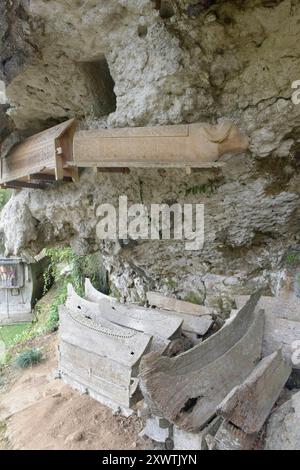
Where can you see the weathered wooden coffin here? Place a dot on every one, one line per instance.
(196, 318)
(194, 145)
(282, 324)
(161, 327)
(93, 295)
(248, 405)
(175, 305)
(57, 153)
(43, 154)
(159, 321)
(187, 389)
(101, 358)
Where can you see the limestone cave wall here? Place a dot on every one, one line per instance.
(123, 63)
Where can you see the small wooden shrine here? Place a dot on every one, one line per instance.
(21, 284)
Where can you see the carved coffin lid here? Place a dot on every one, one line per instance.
(194, 145)
(47, 150)
(93, 295)
(103, 338)
(150, 321)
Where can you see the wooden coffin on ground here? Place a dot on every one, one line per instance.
(188, 388)
(101, 358)
(137, 317)
(149, 321)
(282, 324)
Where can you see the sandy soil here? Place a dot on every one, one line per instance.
(38, 411)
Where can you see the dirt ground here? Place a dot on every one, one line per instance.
(38, 411)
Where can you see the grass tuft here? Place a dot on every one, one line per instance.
(28, 358)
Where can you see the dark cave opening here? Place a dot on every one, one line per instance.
(101, 85)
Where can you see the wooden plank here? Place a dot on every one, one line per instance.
(46, 177)
(22, 184)
(83, 360)
(280, 307)
(84, 388)
(192, 324)
(280, 333)
(137, 318)
(117, 395)
(84, 368)
(72, 172)
(113, 170)
(190, 145)
(180, 306)
(230, 438)
(58, 159)
(282, 324)
(248, 405)
(39, 151)
(187, 389)
(155, 164)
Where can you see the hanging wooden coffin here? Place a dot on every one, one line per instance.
(45, 153)
(191, 145)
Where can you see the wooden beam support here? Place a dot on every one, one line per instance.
(21, 185)
(47, 178)
(113, 170)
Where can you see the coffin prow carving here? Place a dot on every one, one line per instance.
(150, 321)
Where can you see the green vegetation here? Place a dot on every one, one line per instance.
(28, 358)
(78, 268)
(4, 197)
(208, 189)
(9, 333)
(292, 258)
(194, 298)
(52, 322)
(64, 267)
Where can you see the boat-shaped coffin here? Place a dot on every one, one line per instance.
(188, 388)
(150, 321)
